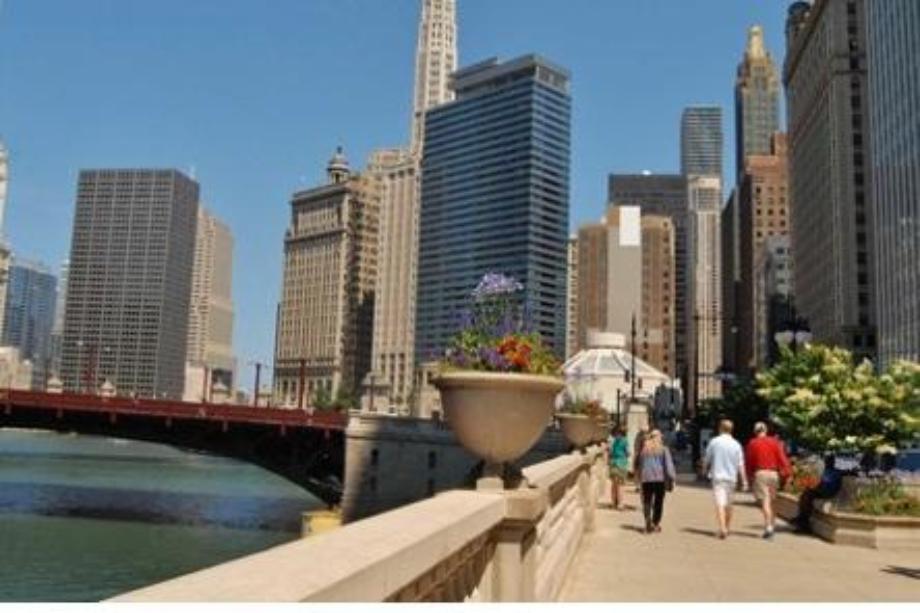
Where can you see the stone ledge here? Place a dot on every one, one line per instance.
(873, 532)
(367, 561)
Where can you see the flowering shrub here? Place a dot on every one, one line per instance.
(494, 336)
(589, 408)
(824, 401)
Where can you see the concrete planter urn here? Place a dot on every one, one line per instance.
(497, 417)
(580, 430)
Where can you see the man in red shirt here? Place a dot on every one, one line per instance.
(767, 466)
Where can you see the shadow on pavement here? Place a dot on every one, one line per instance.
(712, 534)
(913, 573)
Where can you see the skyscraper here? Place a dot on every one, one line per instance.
(704, 196)
(495, 196)
(894, 89)
(29, 315)
(655, 343)
(324, 335)
(210, 324)
(756, 101)
(611, 282)
(829, 165)
(701, 141)
(665, 194)
(4, 184)
(131, 260)
(393, 175)
(571, 328)
(763, 213)
(57, 330)
(435, 61)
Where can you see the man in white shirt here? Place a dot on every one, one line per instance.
(724, 464)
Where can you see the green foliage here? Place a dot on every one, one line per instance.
(740, 403)
(344, 400)
(824, 401)
(886, 497)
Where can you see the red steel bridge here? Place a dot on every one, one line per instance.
(306, 448)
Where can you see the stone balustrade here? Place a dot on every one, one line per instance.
(462, 545)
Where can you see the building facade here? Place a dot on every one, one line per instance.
(894, 91)
(665, 194)
(324, 331)
(705, 197)
(830, 182)
(435, 61)
(773, 274)
(129, 285)
(571, 327)
(57, 330)
(29, 317)
(394, 175)
(764, 213)
(495, 197)
(210, 324)
(656, 343)
(701, 141)
(757, 91)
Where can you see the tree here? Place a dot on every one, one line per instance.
(827, 403)
(741, 404)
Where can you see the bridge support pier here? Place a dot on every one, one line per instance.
(515, 561)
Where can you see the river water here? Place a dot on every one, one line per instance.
(86, 518)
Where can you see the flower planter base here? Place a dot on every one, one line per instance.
(883, 532)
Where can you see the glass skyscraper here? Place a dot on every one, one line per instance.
(894, 103)
(495, 197)
(701, 141)
(29, 317)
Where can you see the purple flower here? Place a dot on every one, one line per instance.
(495, 284)
(494, 360)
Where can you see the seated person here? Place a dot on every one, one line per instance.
(828, 487)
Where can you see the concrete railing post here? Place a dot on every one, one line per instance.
(515, 561)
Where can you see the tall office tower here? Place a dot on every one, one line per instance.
(757, 90)
(773, 276)
(830, 184)
(894, 89)
(701, 141)
(495, 197)
(435, 61)
(393, 174)
(324, 336)
(29, 315)
(729, 228)
(4, 184)
(610, 273)
(131, 260)
(5, 253)
(210, 322)
(704, 196)
(763, 213)
(656, 335)
(571, 326)
(57, 330)
(665, 195)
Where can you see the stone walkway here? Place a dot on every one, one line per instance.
(685, 562)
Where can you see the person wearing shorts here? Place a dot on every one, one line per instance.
(724, 464)
(767, 466)
(619, 466)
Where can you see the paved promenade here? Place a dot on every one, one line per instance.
(685, 562)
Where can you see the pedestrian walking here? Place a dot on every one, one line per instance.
(619, 465)
(655, 469)
(638, 442)
(768, 468)
(724, 464)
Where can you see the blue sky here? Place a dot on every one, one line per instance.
(255, 95)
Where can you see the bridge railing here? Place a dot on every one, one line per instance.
(462, 545)
(170, 409)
